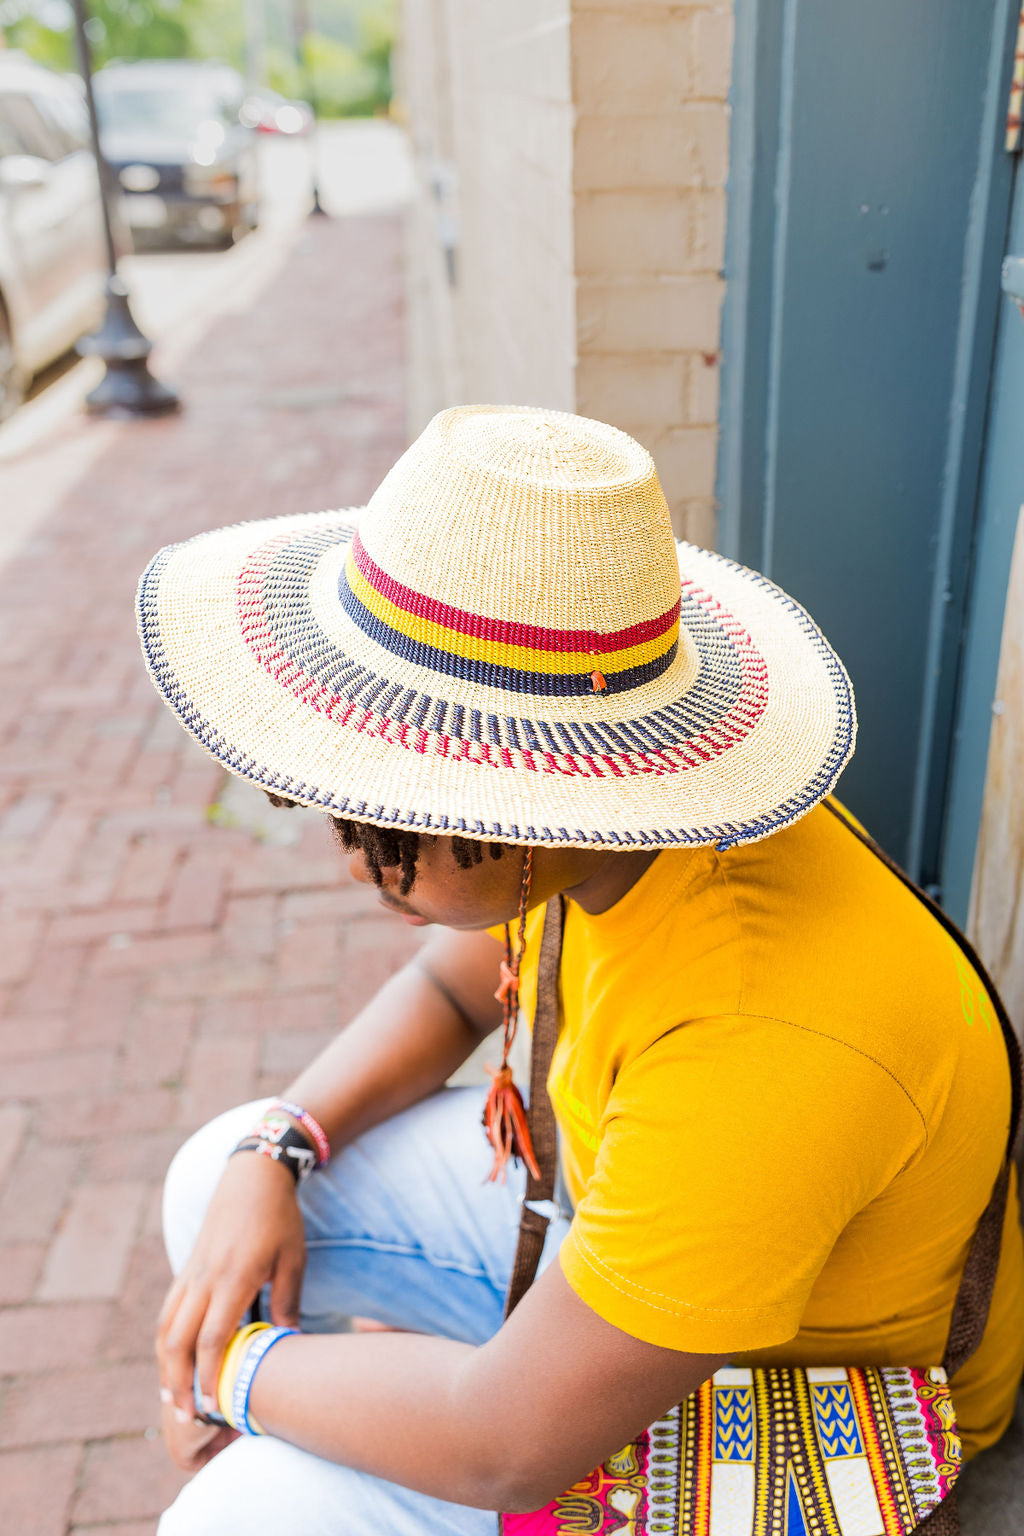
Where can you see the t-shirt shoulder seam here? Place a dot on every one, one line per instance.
(856, 1050)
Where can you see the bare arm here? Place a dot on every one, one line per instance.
(408, 1040)
(403, 1045)
(508, 1425)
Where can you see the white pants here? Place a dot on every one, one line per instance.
(402, 1227)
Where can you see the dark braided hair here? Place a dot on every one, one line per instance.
(385, 847)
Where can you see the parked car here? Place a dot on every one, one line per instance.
(269, 112)
(186, 164)
(52, 246)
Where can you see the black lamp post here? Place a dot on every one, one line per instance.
(127, 389)
(302, 29)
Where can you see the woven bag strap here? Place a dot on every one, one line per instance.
(533, 1223)
(944, 1519)
(974, 1294)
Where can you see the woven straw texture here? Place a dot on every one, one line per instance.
(506, 644)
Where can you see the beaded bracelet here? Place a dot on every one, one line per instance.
(291, 1148)
(314, 1130)
(242, 1358)
(289, 1134)
(233, 1351)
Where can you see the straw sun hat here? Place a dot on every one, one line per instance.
(506, 643)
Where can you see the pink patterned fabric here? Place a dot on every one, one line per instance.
(777, 1452)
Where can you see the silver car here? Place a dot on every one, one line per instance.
(186, 164)
(52, 251)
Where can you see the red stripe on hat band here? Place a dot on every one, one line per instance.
(504, 631)
(691, 752)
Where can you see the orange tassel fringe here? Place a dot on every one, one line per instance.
(506, 1127)
(504, 1112)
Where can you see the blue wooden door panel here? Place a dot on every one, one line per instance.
(880, 178)
(838, 476)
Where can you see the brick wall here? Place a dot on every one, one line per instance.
(485, 89)
(651, 149)
(567, 243)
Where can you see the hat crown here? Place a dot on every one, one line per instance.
(550, 523)
(543, 448)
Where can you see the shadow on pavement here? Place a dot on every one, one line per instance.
(992, 1488)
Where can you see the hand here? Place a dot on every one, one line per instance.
(193, 1444)
(252, 1235)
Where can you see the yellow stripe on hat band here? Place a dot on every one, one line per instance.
(499, 653)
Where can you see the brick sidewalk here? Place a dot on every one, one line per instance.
(158, 963)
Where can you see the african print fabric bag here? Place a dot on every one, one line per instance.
(817, 1452)
(794, 1451)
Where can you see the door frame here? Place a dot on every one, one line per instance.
(756, 232)
(995, 537)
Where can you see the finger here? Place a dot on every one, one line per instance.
(212, 1448)
(188, 1444)
(176, 1353)
(286, 1290)
(179, 1298)
(219, 1323)
(171, 1302)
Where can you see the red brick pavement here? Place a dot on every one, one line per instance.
(157, 965)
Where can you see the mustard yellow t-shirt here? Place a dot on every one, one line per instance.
(783, 1099)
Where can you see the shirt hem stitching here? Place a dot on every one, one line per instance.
(626, 1287)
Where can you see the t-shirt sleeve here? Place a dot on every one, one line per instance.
(732, 1154)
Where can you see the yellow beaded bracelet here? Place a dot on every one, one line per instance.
(233, 1356)
(241, 1360)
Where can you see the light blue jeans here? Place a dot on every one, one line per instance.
(402, 1227)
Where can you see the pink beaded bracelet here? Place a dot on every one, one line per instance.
(313, 1129)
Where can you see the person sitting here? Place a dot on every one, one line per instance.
(781, 1093)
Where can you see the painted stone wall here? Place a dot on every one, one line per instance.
(567, 243)
(486, 94)
(651, 154)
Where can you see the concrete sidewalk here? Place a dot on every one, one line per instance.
(170, 946)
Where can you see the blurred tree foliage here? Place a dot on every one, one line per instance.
(337, 52)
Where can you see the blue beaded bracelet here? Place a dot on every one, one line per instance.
(242, 1387)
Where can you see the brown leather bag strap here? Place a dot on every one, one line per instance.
(974, 1295)
(533, 1223)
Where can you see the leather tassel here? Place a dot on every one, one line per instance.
(504, 1118)
(506, 1126)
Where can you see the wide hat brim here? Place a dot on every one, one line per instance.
(746, 731)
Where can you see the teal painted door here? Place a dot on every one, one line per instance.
(1002, 493)
(866, 224)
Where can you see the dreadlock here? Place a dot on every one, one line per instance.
(385, 847)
